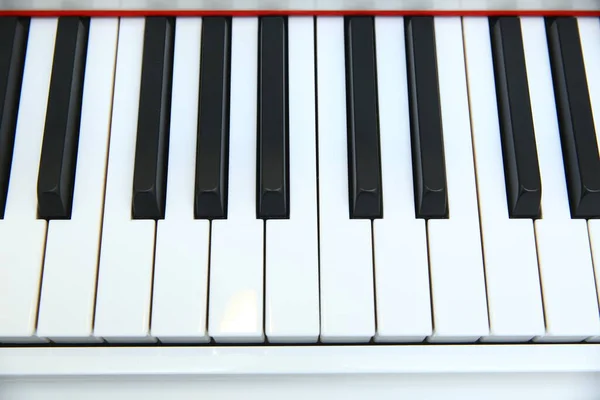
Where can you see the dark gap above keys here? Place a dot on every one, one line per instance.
(273, 197)
(212, 150)
(364, 160)
(576, 123)
(427, 143)
(56, 178)
(13, 47)
(151, 152)
(521, 167)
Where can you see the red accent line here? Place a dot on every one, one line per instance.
(251, 13)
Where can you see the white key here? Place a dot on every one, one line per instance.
(292, 263)
(236, 271)
(182, 242)
(127, 248)
(22, 235)
(511, 268)
(565, 263)
(589, 31)
(71, 261)
(347, 300)
(456, 264)
(400, 244)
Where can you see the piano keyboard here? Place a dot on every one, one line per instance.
(299, 180)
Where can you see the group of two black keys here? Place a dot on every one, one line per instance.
(59, 148)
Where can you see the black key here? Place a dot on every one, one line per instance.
(521, 168)
(272, 161)
(364, 165)
(578, 135)
(427, 142)
(13, 45)
(213, 119)
(151, 151)
(61, 133)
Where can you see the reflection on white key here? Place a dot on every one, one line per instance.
(565, 263)
(236, 270)
(456, 264)
(182, 243)
(22, 235)
(292, 263)
(589, 31)
(400, 243)
(127, 248)
(347, 300)
(71, 261)
(513, 284)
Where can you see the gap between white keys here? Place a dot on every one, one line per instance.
(399, 239)
(182, 243)
(456, 263)
(511, 268)
(127, 247)
(565, 263)
(236, 294)
(22, 235)
(71, 261)
(292, 265)
(346, 257)
(589, 31)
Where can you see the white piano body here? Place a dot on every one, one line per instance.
(297, 372)
(376, 369)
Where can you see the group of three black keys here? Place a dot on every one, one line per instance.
(59, 149)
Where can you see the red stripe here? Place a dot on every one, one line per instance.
(247, 13)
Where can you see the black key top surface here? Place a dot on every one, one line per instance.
(61, 132)
(273, 152)
(150, 173)
(364, 169)
(578, 135)
(213, 119)
(427, 143)
(13, 46)
(521, 167)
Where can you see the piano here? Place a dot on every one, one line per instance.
(329, 199)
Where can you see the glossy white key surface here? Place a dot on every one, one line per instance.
(236, 267)
(565, 263)
(23, 236)
(589, 31)
(399, 240)
(346, 266)
(511, 268)
(182, 243)
(456, 264)
(292, 263)
(127, 247)
(71, 262)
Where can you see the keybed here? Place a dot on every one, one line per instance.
(297, 179)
